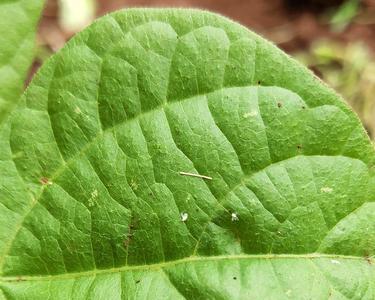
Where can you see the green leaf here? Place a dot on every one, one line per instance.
(18, 20)
(94, 204)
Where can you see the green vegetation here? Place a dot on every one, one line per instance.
(174, 154)
(351, 71)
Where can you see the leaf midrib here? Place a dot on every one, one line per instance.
(190, 259)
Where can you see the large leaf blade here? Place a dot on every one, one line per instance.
(141, 96)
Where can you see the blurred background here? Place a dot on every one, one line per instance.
(334, 38)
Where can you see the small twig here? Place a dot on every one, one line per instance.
(196, 175)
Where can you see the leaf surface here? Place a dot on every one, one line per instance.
(18, 21)
(94, 204)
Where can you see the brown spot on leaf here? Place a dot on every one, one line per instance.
(130, 234)
(45, 181)
(368, 259)
(128, 240)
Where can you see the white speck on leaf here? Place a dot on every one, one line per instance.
(252, 113)
(234, 217)
(184, 216)
(91, 201)
(133, 185)
(326, 189)
(335, 262)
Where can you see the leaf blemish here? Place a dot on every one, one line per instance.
(94, 195)
(45, 181)
(279, 104)
(129, 236)
(133, 185)
(252, 113)
(368, 259)
(326, 189)
(234, 217)
(184, 216)
(127, 242)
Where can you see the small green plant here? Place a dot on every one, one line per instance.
(174, 154)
